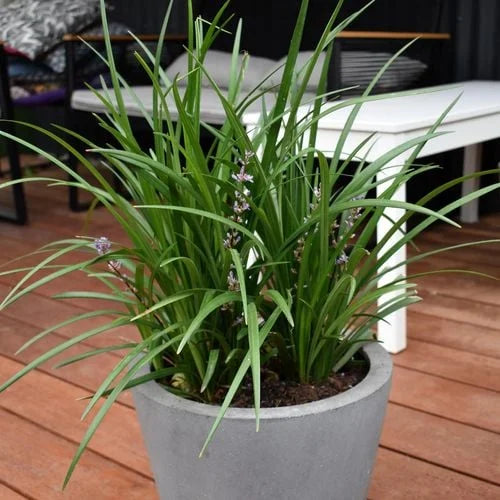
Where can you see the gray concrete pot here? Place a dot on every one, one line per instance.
(322, 450)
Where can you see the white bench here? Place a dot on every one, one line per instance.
(475, 118)
(211, 109)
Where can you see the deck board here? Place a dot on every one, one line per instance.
(48, 398)
(457, 335)
(398, 476)
(33, 311)
(474, 369)
(84, 375)
(420, 435)
(456, 401)
(460, 309)
(441, 438)
(35, 461)
(7, 493)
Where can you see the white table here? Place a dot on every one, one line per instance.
(475, 118)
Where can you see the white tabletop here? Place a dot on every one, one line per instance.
(398, 114)
(393, 114)
(474, 118)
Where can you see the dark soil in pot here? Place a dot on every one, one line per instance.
(276, 392)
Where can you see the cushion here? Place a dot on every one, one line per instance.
(21, 69)
(218, 65)
(37, 95)
(303, 59)
(56, 58)
(32, 27)
(359, 68)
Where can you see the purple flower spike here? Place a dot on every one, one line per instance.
(102, 245)
(242, 176)
(240, 207)
(342, 259)
(233, 285)
(232, 239)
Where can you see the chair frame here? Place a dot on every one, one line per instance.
(19, 212)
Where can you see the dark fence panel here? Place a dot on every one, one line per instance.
(146, 16)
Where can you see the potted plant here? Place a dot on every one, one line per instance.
(252, 277)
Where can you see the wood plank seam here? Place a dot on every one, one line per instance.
(459, 349)
(76, 443)
(450, 419)
(61, 378)
(55, 333)
(476, 386)
(441, 466)
(456, 320)
(454, 297)
(15, 489)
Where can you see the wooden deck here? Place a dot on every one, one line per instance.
(441, 438)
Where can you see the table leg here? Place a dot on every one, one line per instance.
(392, 331)
(469, 213)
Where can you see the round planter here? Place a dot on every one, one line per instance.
(322, 450)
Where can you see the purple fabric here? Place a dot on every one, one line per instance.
(48, 97)
(14, 52)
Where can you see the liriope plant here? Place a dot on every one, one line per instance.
(255, 253)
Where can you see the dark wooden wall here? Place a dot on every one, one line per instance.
(272, 21)
(146, 16)
(477, 43)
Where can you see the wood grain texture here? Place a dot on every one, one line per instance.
(397, 476)
(84, 375)
(474, 369)
(7, 493)
(459, 309)
(33, 311)
(446, 398)
(461, 336)
(420, 435)
(35, 461)
(44, 399)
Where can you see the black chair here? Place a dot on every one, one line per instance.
(18, 212)
(57, 109)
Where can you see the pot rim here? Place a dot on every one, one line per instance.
(378, 375)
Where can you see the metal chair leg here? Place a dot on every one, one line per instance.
(19, 213)
(75, 204)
